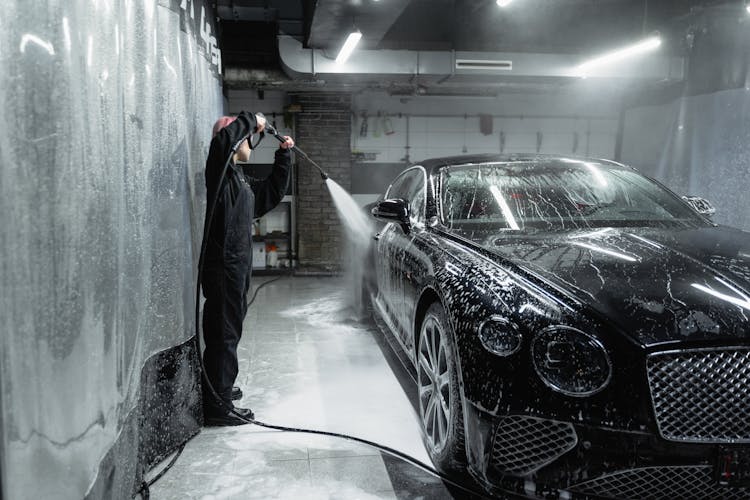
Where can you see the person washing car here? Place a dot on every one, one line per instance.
(228, 257)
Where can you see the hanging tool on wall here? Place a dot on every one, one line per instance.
(387, 125)
(376, 130)
(406, 159)
(485, 124)
(363, 125)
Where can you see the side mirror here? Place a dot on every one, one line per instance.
(701, 205)
(394, 210)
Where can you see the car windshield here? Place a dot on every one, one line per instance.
(559, 195)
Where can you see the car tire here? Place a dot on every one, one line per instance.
(436, 369)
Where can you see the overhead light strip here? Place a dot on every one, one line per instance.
(351, 42)
(484, 64)
(646, 45)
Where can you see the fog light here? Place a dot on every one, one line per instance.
(500, 336)
(570, 361)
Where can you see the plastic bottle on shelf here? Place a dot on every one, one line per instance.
(272, 256)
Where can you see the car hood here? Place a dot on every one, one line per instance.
(658, 286)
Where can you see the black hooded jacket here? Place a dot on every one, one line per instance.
(240, 199)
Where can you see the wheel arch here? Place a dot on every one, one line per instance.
(428, 296)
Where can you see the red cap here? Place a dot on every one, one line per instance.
(222, 122)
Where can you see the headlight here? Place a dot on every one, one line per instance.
(500, 336)
(570, 361)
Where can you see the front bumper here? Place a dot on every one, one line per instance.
(544, 457)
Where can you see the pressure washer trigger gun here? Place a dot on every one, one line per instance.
(271, 130)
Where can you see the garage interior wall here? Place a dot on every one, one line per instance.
(555, 123)
(446, 126)
(363, 139)
(696, 136)
(108, 108)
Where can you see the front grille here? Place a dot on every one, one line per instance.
(702, 395)
(683, 482)
(525, 444)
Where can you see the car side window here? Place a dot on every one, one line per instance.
(411, 186)
(396, 188)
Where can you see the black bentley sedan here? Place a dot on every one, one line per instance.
(575, 329)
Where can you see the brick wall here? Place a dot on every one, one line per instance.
(323, 132)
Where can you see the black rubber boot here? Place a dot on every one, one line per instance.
(229, 418)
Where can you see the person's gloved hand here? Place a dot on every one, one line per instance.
(288, 143)
(260, 123)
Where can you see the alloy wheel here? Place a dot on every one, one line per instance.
(433, 381)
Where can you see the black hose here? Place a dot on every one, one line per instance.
(229, 407)
(145, 489)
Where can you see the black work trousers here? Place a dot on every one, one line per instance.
(223, 313)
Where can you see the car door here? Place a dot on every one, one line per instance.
(401, 255)
(389, 241)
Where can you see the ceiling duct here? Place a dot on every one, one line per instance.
(461, 67)
(439, 71)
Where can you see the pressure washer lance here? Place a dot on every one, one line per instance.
(297, 150)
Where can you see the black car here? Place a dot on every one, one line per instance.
(576, 330)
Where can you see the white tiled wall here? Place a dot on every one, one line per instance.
(436, 136)
(432, 136)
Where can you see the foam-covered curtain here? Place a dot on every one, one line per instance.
(106, 109)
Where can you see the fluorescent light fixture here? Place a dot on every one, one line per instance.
(351, 41)
(503, 3)
(646, 45)
(747, 8)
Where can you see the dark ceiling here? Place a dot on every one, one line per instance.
(248, 28)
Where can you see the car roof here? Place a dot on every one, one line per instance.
(433, 164)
